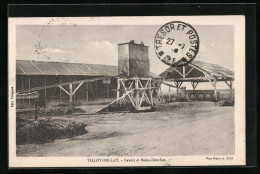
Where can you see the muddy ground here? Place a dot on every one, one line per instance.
(189, 128)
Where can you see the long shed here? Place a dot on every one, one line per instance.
(60, 83)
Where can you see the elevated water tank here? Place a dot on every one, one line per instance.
(133, 60)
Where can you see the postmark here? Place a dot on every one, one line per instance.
(176, 43)
(52, 51)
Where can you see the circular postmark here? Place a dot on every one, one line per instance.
(49, 41)
(176, 43)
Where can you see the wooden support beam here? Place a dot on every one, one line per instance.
(64, 90)
(73, 96)
(228, 84)
(70, 94)
(169, 93)
(118, 89)
(192, 84)
(144, 93)
(215, 89)
(151, 91)
(118, 99)
(183, 70)
(196, 84)
(189, 72)
(137, 94)
(75, 90)
(179, 72)
(231, 91)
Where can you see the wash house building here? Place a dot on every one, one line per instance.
(59, 83)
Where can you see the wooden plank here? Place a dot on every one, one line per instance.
(169, 85)
(64, 90)
(144, 108)
(137, 94)
(231, 91)
(215, 89)
(179, 72)
(70, 87)
(23, 97)
(118, 88)
(189, 72)
(77, 88)
(228, 84)
(123, 96)
(151, 91)
(183, 70)
(169, 93)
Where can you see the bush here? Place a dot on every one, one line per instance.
(44, 130)
(226, 103)
(59, 111)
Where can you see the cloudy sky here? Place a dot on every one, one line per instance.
(97, 44)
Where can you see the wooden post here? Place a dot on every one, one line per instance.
(231, 91)
(70, 86)
(193, 86)
(177, 85)
(45, 92)
(215, 89)
(150, 91)
(87, 92)
(161, 94)
(118, 89)
(137, 95)
(73, 96)
(169, 93)
(183, 71)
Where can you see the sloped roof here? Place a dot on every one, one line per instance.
(214, 69)
(197, 69)
(27, 67)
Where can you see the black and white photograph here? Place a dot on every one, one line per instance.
(126, 91)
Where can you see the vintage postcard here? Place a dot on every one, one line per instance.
(126, 91)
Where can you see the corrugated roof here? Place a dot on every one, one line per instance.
(27, 67)
(212, 69)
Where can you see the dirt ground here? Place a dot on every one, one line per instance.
(191, 128)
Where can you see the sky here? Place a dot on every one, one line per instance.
(97, 44)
